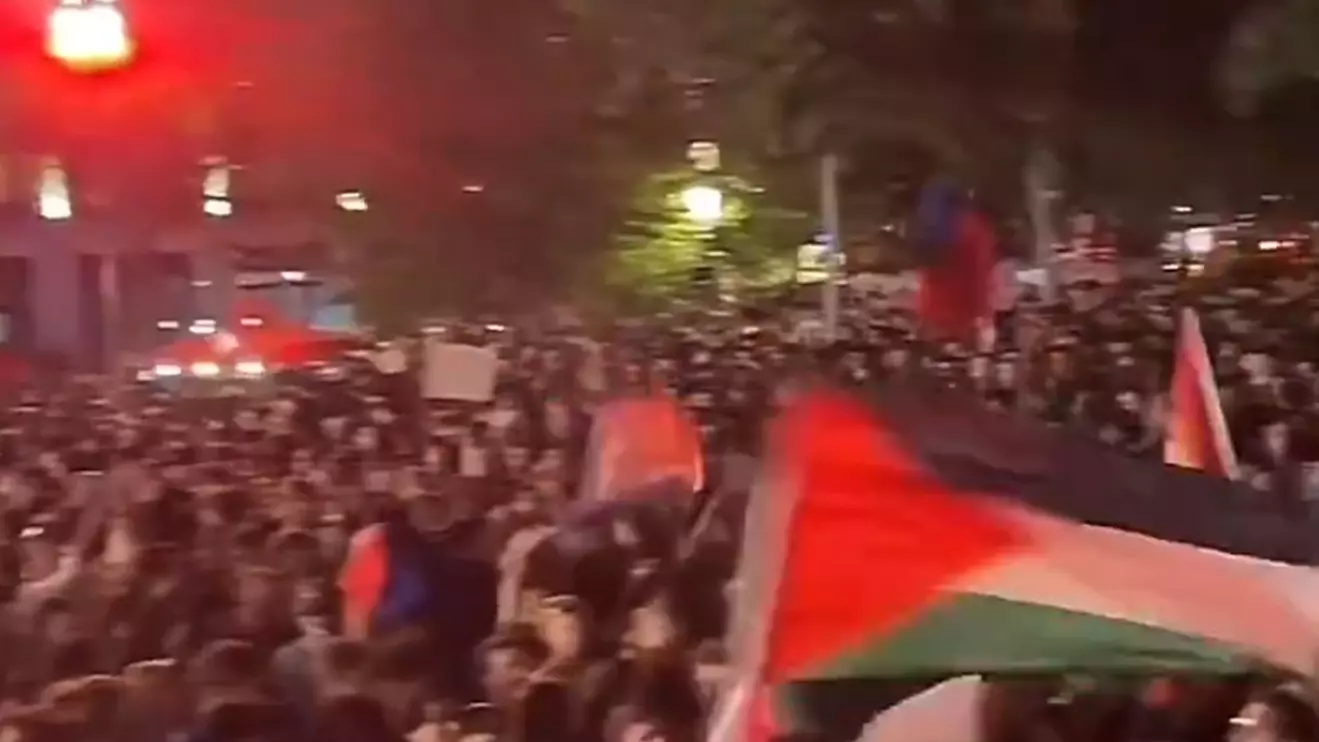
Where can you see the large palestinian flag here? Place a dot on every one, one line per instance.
(1068, 473)
(861, 563)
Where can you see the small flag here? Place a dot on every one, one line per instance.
(362, 579)
(1196, 435)
(639, 442)
(958, 252)
(384, 585)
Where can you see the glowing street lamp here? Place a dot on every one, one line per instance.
(704, 204)
(89, 36)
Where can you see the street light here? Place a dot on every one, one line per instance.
(89, 36)
(704, 204)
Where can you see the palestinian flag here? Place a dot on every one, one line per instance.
(1197, 435)
(1069, 473)
(860, 563)
(639, 442)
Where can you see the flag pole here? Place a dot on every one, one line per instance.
(1040, 193)
(831, 220)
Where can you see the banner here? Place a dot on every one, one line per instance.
(464, 373)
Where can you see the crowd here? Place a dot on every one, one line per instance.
(170, 563)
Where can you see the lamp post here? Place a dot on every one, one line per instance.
(833, 229)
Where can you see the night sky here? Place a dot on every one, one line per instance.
(442, 94)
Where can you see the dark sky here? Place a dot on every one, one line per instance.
(1153, 52)
(456, 91)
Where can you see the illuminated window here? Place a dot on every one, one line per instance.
(704, 156)
(217, 207)
(215, 188)
(351, 201)
(53, 199)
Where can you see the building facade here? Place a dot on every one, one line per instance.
(93, 292)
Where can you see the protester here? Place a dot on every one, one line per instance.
(334, 557)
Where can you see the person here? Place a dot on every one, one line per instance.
(190, 590)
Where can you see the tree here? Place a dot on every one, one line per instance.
(709, 69)
(897, 88)
(1270, 46)
(1268, 79)
(664, 251)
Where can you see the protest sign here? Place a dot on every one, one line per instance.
(464, 373)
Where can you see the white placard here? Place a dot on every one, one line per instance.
(459, 372)
(390, 361)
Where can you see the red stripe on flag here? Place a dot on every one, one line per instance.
(363, 579)
(872, 540)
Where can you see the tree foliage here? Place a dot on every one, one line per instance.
(1270, 46)
(661, 251)
(710, 69)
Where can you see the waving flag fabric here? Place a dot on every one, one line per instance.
(385, 583)
(363, 578)
(869, 566)
(957, 250)
(1197, 436)
(1068, 473)
(639, 442)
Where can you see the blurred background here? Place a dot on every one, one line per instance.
(378, 163)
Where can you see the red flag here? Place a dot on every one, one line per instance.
(957, 290)
(1196, 434)
(363, 579)
(640, 442)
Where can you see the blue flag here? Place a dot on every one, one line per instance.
(938, 216)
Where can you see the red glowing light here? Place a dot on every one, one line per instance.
(89, 36)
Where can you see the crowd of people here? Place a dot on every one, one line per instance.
(170, 563)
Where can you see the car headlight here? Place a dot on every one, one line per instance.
(163, 370)
(250, 368)
(205, 368)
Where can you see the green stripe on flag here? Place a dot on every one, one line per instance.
(981, 634)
